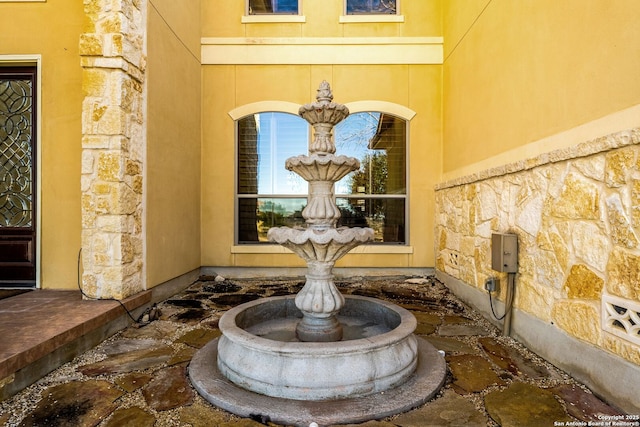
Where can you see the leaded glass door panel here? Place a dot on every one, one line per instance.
(17, 177)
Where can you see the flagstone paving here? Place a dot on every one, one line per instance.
(139, 378)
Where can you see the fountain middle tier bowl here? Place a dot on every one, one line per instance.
(328, 167)
(258, 350)
(327, 245)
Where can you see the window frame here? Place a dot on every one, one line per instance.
(33, 60)
(370, 17)
(272, 18)
(247, 10)
(243, 112)
(369, 14)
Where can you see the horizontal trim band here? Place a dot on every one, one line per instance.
(367, 18)
(321, 40)
(275, 19)
(321, 50)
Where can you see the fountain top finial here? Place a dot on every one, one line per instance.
(324, 95)
(323, 115)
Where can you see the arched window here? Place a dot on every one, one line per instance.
(270, 196)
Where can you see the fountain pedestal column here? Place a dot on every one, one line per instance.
(319, 301)
(321, 244)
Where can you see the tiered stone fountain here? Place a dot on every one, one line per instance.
(318, 357)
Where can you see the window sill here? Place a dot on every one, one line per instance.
(272, 19)
(354, 19)
(364, 249)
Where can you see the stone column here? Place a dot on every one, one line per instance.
(113, 147)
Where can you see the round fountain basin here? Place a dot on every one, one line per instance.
(259, 351)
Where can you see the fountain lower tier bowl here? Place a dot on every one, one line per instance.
(258, 367)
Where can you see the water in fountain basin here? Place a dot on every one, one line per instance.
(284, 329)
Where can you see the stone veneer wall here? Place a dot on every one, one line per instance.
(576, 213)
(113, 60)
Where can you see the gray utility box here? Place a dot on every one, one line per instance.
(504, 252)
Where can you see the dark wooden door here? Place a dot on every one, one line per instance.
(17, 177)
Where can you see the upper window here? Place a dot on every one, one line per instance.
(369, 7)
(273, 7)
(270, 196)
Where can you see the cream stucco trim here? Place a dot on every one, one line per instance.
(321, 50)
(354, 19)
(31, 60)
(365, 249)
(621, 120)
(262, 19)
(259, 249)
(263, 106)
(382, 249)
(292, 108)
(383, 106)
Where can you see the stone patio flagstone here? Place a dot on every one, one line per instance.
(524, 405)
(582, 405)
(452, 330)
(133, 381)
(168, 389)
(510, 360)
(131, 417)
(128, 362)
(78, 403)
(493, 380)
(472, 374)
(449, 410)
(198, 337)
(451, 345)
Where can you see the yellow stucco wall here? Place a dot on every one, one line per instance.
(415, 87)
(519, 71)
(228, 86)
(52, 29)
(223, 19)
(541, 115)
(172, 204)
(458, 16)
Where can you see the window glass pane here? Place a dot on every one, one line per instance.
(384, 215)
(378, 141)
(16, 149)
(261, 7)
(270, 196)
(265, 142)
(257, 215)
(355, 7)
